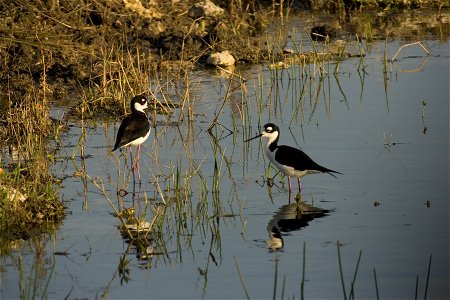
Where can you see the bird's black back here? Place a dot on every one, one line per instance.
(299, 160)
(134, 126)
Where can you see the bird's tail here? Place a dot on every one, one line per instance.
(331, 172)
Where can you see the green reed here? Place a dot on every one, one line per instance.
(34, 283)
(350, 295)
(376, 284)
(416, 294)
(241, 277)
(302, 283)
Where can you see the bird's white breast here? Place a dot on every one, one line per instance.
(138, 141)
(141, 139)
(286, 170)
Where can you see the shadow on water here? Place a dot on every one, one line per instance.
(291, 217)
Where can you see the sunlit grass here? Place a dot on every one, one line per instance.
(29, 202)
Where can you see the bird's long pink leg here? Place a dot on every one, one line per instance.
(299, 184)
(131, 157)
(132, 161)
(289, 181)
(137, 163)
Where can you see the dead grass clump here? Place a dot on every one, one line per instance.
(29, 204)
(27, 209)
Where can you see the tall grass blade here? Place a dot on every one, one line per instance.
(22, 291)
(274, 296)
(338, 244)
(417, 287)
(376, 284)
(45, 292)
(352, 291)
(302, 285)
(244, 286)
(428, 277)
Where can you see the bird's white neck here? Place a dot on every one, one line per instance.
(139, 107)
(272, 139)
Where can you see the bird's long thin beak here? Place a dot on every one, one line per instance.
(255, 137)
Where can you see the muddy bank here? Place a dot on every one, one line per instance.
(66, 45)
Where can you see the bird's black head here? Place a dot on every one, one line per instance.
(139, 103)
(270, 128)
(271, 131)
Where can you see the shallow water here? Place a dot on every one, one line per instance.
(388, 135)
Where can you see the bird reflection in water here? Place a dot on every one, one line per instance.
(291, 217)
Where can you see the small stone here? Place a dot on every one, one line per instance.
(205, 8)
(137, 7)
(12, 194)
(222, 59)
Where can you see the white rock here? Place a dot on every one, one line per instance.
(12, 194)
(139, 227)
(205, 8)
(137, 7)
(222, 59)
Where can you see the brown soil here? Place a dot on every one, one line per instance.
(68, 42)
(65, 44)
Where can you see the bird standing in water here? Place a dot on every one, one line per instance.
(134, 129)
(291, 161)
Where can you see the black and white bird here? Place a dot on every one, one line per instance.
(291, 161)
(134, 129)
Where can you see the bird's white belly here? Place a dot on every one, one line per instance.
(287, 170)
(138, 141)
(290, 171)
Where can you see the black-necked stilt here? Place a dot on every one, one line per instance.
(289, 160)
(134, 129)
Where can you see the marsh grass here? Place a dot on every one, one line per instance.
(34, 284)
(27, 132)
(351, 294)
(341, 273)
(124, 74)
(171, 180)
(31, 209)
(188, 194)
(175, 212)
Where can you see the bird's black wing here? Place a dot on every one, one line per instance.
(299, 160)
(131, 128)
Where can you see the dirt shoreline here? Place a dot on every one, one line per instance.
(70, 44)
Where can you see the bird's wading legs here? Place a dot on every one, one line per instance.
(137, 164)
(132, 163)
